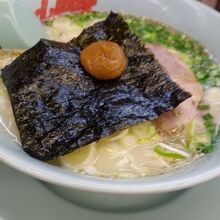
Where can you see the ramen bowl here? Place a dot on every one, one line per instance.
(188, 16)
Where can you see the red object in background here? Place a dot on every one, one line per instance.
(72, 6)
(62, 6)
(42, 11)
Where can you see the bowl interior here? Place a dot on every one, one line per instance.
(188, 16)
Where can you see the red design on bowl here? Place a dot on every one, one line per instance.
(63, 6)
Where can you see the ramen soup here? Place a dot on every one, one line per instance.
(170, 141)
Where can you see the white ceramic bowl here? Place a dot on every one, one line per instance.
(188, 16)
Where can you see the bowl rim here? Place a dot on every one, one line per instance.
(54, 175)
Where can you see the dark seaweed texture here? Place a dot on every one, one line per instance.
(59, 107)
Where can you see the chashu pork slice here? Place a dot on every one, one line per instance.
(180, 73)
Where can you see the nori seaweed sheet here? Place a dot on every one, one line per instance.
(59, 107)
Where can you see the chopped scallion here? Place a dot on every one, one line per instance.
(190, 134)
(208, 122)
(164, 153)
(203, 107)
(205, 148)
(210, 128)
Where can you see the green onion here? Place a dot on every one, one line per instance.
(82, 19)
(205, 148)
(203, 107)
(190, 134)
(164, 153)
(208, 122)
(207, 116)
(210, 128)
